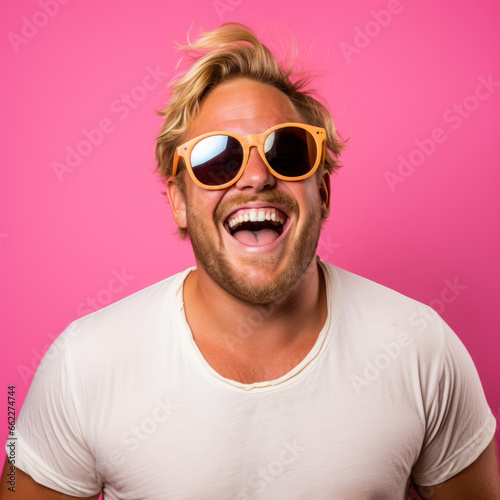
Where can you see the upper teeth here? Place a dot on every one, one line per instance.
(256, 216)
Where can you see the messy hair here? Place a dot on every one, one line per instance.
(233, 51)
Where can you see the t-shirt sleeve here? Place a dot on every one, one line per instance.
(50, 441)
(459, 422)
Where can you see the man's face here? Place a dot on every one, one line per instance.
(256, 266)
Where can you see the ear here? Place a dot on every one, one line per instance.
(177, 203)
(325, 194)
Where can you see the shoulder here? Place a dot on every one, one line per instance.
(356, 288)
(379, 305)
(123, 331)
(139, 308)
(388, 331)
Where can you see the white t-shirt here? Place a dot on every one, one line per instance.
(124, 400)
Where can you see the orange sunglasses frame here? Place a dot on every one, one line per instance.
(184, 151)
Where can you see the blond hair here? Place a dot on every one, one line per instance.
(225, 53)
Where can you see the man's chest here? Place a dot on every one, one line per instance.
(253, 369)
(288, 444)
(241, 364)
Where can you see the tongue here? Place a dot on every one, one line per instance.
(261, 237)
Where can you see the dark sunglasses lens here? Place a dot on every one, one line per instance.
(291, 151)
(216, 160)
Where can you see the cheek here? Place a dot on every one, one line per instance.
(306, 194)
(202, 202)
(199, 198)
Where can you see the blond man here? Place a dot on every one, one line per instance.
(263, 372)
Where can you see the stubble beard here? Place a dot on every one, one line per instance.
(215, 262)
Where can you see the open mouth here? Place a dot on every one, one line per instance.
(256, 226)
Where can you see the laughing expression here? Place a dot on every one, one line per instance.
(256, 226)
(256, 238)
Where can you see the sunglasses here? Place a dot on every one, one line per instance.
(291, 152)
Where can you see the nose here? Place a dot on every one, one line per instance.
(256, 175)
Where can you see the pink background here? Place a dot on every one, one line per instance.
(62, 239)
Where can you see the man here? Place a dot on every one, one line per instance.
(264, 372)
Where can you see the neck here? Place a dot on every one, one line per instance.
(218, 319)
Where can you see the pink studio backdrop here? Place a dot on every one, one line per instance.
(415, 207)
